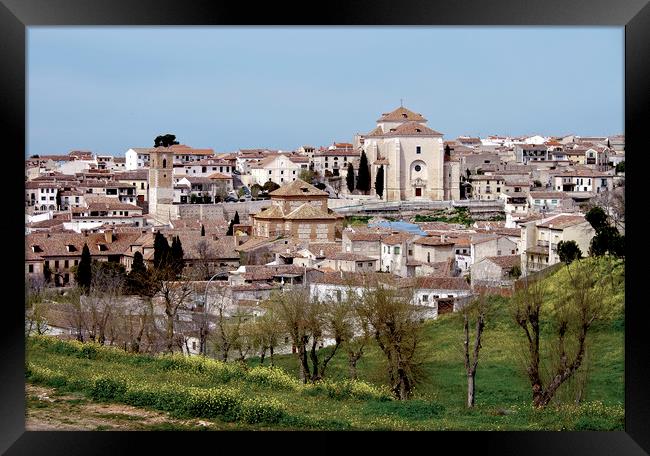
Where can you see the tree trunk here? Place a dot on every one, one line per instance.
(262, 355)
(170, 333)
(314, 361)
(352, 364)
(271, 353)
(470, 390)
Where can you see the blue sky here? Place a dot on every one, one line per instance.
(106, 89)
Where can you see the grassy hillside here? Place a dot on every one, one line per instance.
(231, 396)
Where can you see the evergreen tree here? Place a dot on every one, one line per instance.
(230, 230)
(202, 230)
(568, 251)
(47, 272)
(379, 181)
(58, 200)
(349, 179)
(83, 275)
(177, 255)
(161, 251)
(363, 179)
(138, 277)
(236, 218)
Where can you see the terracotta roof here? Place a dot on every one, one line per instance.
(307, 211)
(439, 283)
(549, 195)
(137, 174)
(271, 212)
(506, 261)
(398, 238)
(432, 240)
(298, 188)
(219, 176)
(410, 129)
(337, 152)
(401, 114)
(562, 221)
(55, 244)
(349, 256)
(366, 236)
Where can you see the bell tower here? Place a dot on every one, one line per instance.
(161, 189)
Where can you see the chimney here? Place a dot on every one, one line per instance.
(108, 235)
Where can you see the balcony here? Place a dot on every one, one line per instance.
(542, 243)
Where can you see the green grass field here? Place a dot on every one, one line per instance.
(503, 394)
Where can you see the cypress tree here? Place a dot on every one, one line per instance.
(379, 181)
(349, 179)
(363, 180)
(47, 272)
(83, 275)
(236, 218)
(229, 232)
(177, 255)
(160, 251)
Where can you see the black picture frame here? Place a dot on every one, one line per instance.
(634, 15)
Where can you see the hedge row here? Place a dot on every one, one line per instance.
(219, 372)
(225, 403)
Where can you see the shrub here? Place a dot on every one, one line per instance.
(257, 411)
(213, 402)
(271, 376)
(106, 389)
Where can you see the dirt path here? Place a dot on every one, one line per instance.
(49, 411)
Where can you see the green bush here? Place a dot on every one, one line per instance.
(273, 377)
(347, 389)
(213, 402)
(107, 389)
(257, 411)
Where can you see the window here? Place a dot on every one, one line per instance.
(425, 298)
(418, 149)
(338, 295)
(498, 189)
(370, 264)
(554, 201)
(360, 265)
(396, 250)
(270, 172)
(31, 268)
(498, 252)
(450, 296)
(56, 264)
(281, 172)
(141, 185)
(536, 201)
(65, 264)
(418, 168)
(164, 163)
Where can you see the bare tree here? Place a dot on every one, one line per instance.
(173, 295)
(270, 332)
(105, 295)
(35, 306)
(477, 310)
(204, 255)
(227, 330)
(397, 330)
(579, 302)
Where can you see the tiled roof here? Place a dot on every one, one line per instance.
(401, 114)
(307, 211)
(54, 244)
(432, 240)
(397, 238)
(138, 174)
(219, 176)
(298, 188)
(440, 283)
(506, 261)
(349, 256)
(410, 129)
(562, 221)
(549, 195)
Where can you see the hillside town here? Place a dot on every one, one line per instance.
(398, 204)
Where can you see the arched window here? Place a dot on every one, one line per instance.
(164, 163)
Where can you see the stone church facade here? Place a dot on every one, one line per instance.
(413, 158)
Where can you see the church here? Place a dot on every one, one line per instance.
(413, 158)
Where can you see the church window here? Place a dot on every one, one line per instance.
(418, 149)
(418, 168)
(164, 163)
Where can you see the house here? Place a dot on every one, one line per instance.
(106, 210)
(490, 245)
(139, 157)
(582, 180)
(138, 179)
(62, 251)
(549, 201)
(434, 295)
(496, 271)
(278, 168)
(526, 153)
(366, 241)
(539, 239)
(395, 254)
(349, 262)
(334, 160)
(433, 249)
(486, 187)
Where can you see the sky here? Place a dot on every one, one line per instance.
(107, 89)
